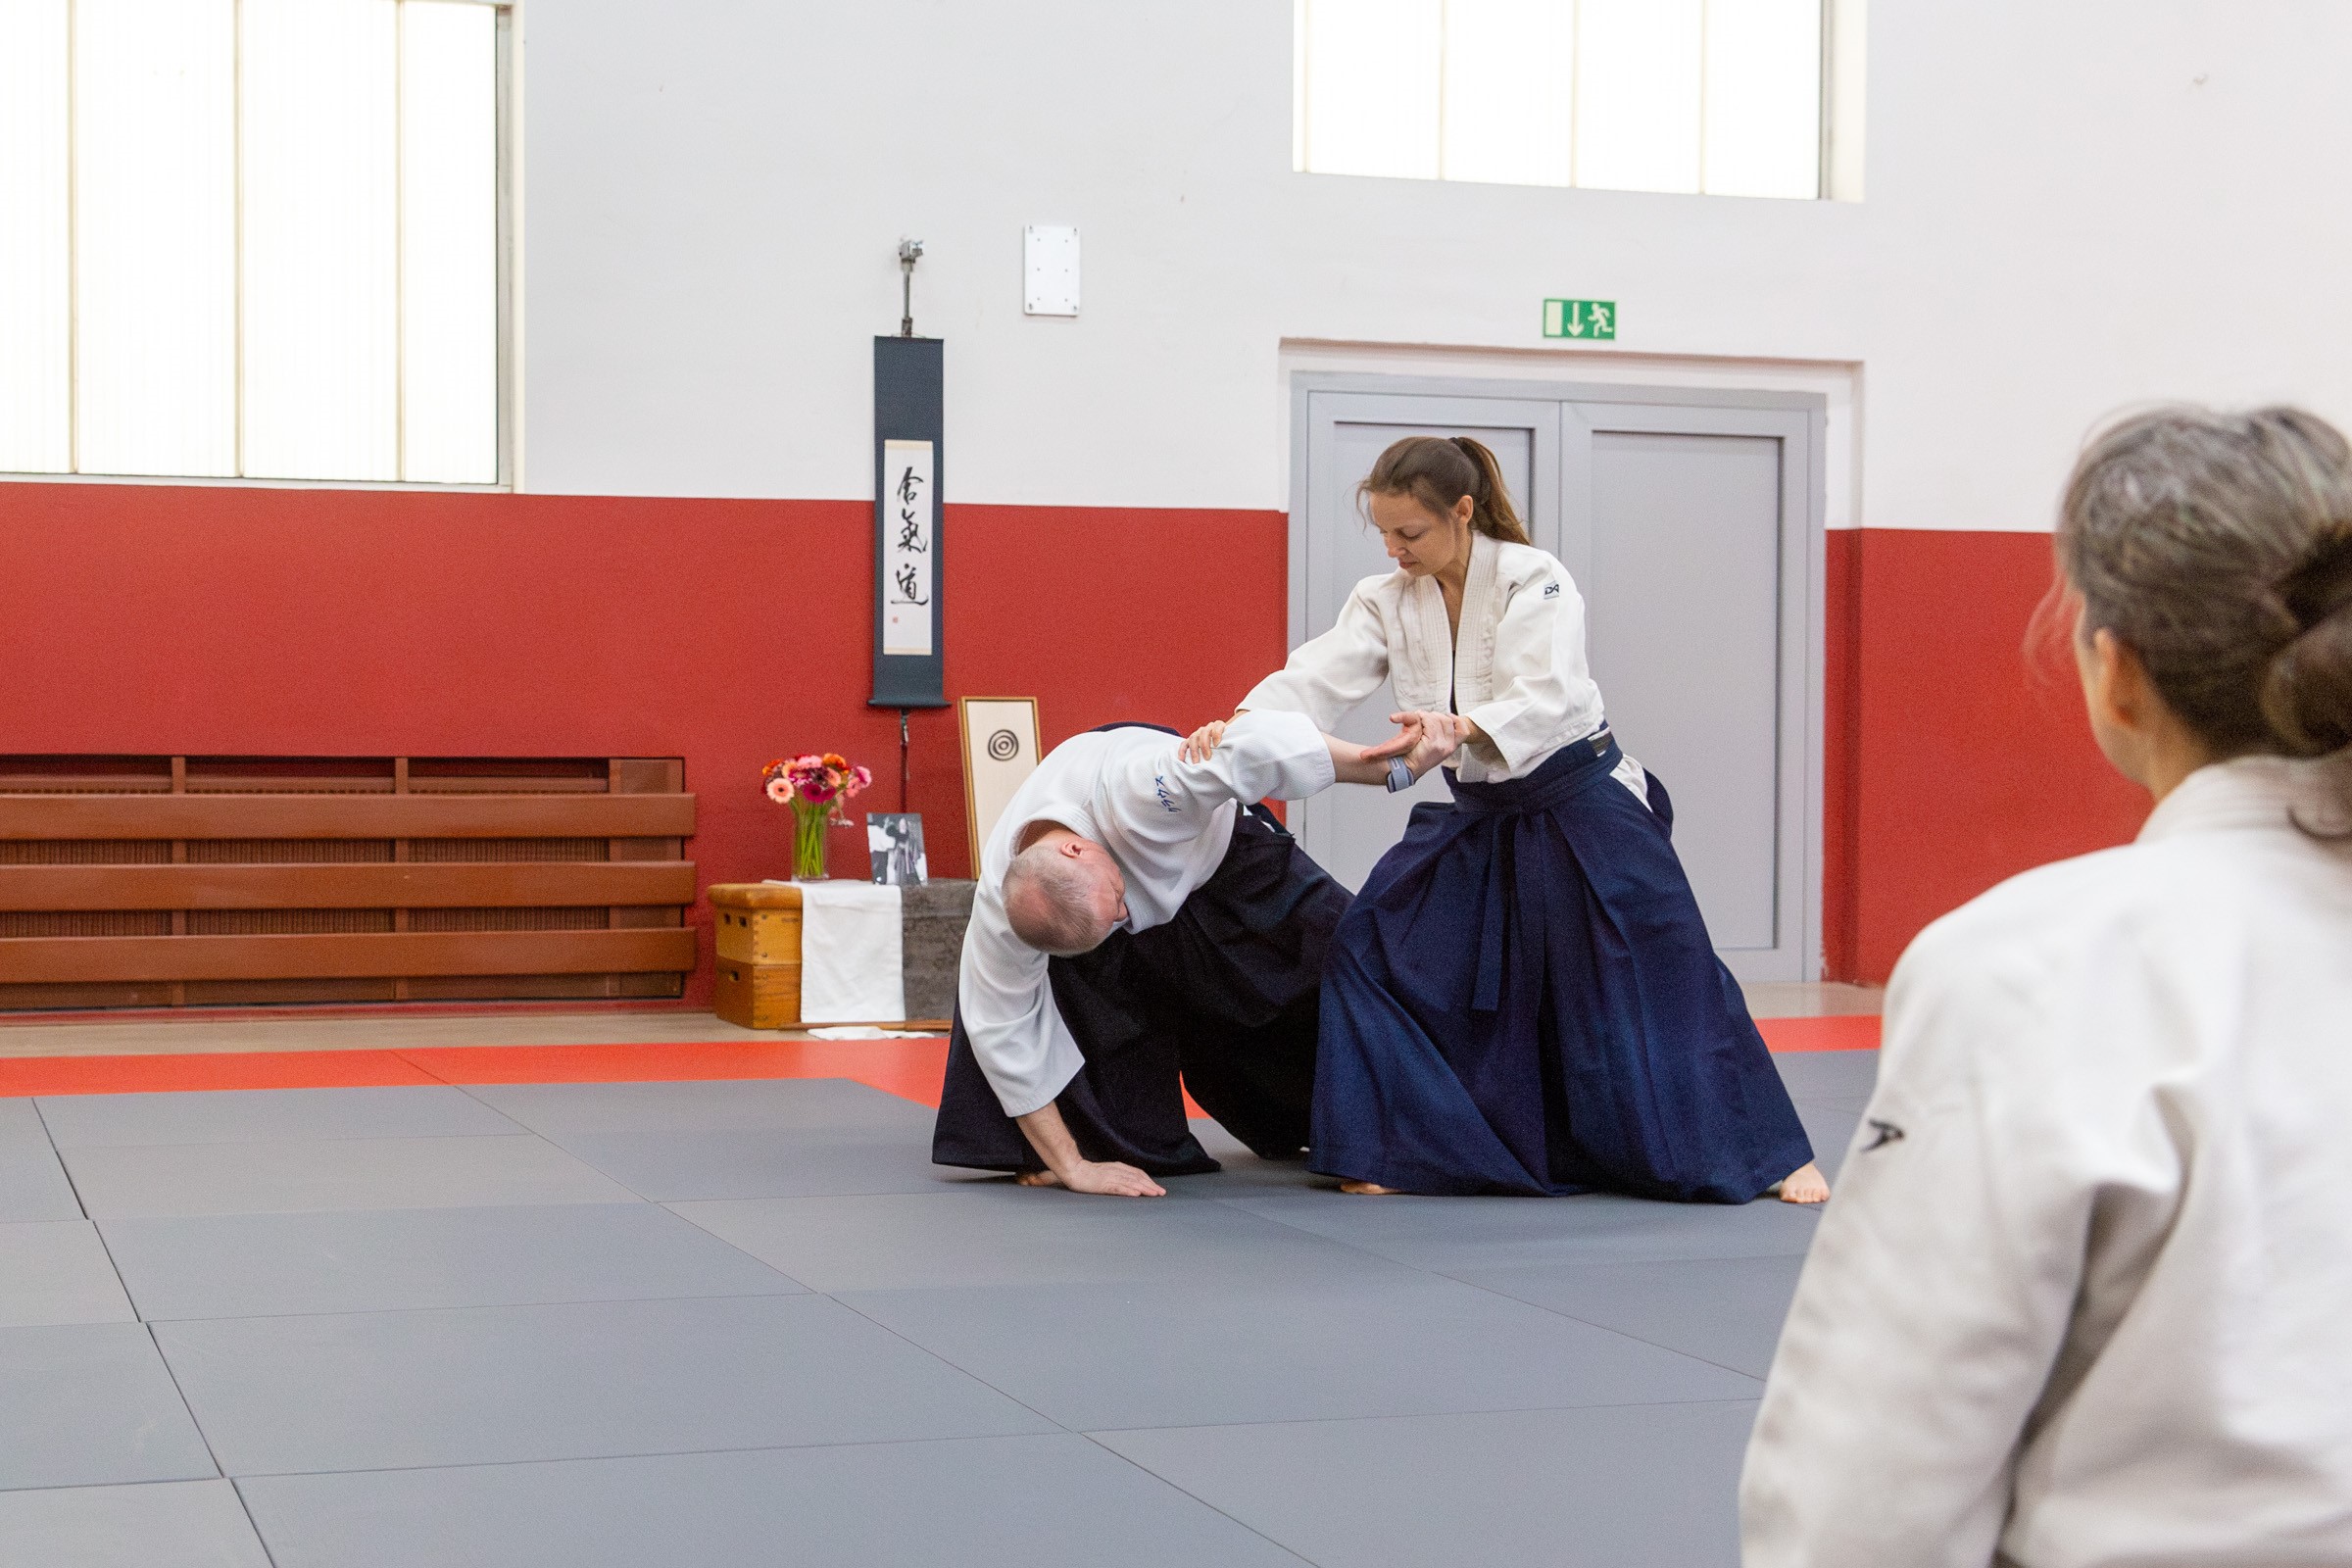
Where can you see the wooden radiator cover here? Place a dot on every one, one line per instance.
(176, 881)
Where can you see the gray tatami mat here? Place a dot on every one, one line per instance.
(1450, 1234)
(57, 1271)
(177, 1524)
(251, 1116)
(89, 1404)
(1626, 1486)
(1209, 1351)
(1001, 1234)
(1054, 1502)
(681, 1165)
(1840, 1079)
(32, 1184)
(377, 1260)
(498, 1383)
(801, 1104)
(1727, 1310)
(732, 1323)
(298, 1175)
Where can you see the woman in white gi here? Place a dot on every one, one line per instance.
(1523, 997)
(2085, 1297)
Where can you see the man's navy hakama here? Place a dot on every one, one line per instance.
(1223, 994)
(1523, 999)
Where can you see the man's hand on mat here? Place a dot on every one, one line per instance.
(1203, 741)
(1109, 1179)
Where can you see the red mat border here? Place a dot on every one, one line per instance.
(911, 1067)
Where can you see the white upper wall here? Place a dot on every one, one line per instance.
(2071, 207)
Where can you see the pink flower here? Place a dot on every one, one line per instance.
(779, 790)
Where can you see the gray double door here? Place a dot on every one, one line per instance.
(1689, 520)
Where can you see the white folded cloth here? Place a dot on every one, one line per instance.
(852, 954)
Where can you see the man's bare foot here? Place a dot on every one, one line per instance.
(1038, 1178)
(1370, 1190)
(1805, 1185)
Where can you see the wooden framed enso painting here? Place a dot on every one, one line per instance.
(1000, 752)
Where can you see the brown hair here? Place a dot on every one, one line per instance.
(2218, 548)
(1438, 471)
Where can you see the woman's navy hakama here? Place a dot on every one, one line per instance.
(1523, 999)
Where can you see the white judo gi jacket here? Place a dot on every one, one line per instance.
(1167, 821)
(1519, 671)
(2084, 1295)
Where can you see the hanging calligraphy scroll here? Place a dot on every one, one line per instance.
(910, 657)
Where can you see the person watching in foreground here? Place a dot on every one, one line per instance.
(1141, 928)
(2080, 1302)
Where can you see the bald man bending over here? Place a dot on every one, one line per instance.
(1142, 927)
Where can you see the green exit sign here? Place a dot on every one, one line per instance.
(1580, 319)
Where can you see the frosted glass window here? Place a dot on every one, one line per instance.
(1763, 135)
(1638, 94)
(322, 249)
(254, 238)
(1721, 97)
(449, 242)
(36, 432)
(1510, 74)
(154, 245)
(1373, 74)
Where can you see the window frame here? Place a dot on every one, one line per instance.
(1837, 115)
(507, 31)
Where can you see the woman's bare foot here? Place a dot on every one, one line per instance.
(1805, 1185)
(1370, 1189)
(1038, 1178)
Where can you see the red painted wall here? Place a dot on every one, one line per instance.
(184, 619)
(1964, 764)
(139, 619)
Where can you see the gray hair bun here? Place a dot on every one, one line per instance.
(2307, 690)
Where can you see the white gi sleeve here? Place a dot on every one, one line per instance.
(1327, 677)
(1007, 1003)
(1540, 670)
(1162, 805)
(1937, 1292)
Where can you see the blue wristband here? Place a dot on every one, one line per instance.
(1401, 775)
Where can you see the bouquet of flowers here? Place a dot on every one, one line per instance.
(814, 786)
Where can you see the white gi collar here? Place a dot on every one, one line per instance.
(2248, 792)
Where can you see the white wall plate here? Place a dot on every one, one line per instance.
(1050, 269)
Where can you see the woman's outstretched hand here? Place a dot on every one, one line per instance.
(1201, 742)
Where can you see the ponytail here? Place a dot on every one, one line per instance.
(1439, 473)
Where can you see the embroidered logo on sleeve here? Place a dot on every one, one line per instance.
(1551, 590)
(1883, 1133)
(1159, 787)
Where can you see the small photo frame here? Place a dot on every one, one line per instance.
(1000, 752)
(895, 840)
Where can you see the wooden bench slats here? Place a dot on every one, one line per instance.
(346, 816)
(86, 960)
(406, 885)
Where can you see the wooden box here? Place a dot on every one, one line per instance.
(757, 925)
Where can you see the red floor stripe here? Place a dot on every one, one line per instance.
(912, 1069)
(239, 1069)
(1854, 1032)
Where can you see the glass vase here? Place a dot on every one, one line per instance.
(809, 822)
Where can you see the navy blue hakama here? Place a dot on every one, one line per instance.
(1523, 999)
